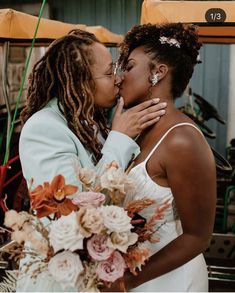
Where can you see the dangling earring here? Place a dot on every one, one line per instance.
(154, 79)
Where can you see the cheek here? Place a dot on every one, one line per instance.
(136, 80)
(104, 87)
(134, 88)
(109, 89)
(105, 93)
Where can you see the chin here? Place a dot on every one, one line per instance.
(112, 104)
(128, 104)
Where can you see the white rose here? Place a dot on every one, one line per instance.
(66, 267)
(115, 219)
(11, 218)
(90, 221)
(16, 220)
(122, 241)
(65, 233)
(115, 179)
(23, 217)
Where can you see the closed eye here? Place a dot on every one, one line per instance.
(109, 73)
(128, 68)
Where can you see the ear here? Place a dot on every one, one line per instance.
(161, 70)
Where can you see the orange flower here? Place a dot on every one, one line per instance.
(135, 258)
(51, 198)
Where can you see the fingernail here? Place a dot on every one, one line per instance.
(156, 100)
(164, 104)
(163, 112)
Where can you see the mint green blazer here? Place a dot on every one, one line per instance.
(48, 147)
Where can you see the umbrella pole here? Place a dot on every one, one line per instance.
(5, 87)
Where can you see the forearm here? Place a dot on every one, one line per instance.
(175, 254)
(120, 148)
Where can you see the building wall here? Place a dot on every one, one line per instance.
(211, 81)
(117, 15)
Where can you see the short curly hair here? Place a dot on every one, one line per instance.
(180, 59)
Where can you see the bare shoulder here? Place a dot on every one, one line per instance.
(185, 136)
(187, 143)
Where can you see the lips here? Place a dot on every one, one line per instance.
(120, 91)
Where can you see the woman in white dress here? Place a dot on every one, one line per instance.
(175, 164)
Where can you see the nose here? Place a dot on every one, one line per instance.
(118, 80)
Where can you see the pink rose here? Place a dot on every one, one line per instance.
(89, 199)
(97, 247)
(111, 269)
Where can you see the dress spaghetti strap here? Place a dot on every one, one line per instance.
(169, 130)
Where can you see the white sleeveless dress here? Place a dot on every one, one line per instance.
(193, 275)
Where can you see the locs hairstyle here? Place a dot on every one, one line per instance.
(64, 72)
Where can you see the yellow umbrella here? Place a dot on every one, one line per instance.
(20, 27)
(216, 19)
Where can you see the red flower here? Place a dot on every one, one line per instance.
(51, 198)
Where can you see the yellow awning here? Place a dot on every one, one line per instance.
(216, 19)
(104, 35)
(20, 27)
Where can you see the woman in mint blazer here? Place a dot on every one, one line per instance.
(65, 123)
(48, 148)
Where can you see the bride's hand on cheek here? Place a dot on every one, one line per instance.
(133, 121)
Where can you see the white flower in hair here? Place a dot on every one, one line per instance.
(170, 41)
(199, 58)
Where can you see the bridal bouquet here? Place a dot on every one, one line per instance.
(92, 237)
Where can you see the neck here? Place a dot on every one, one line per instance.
(164, 95)
(166, 119)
